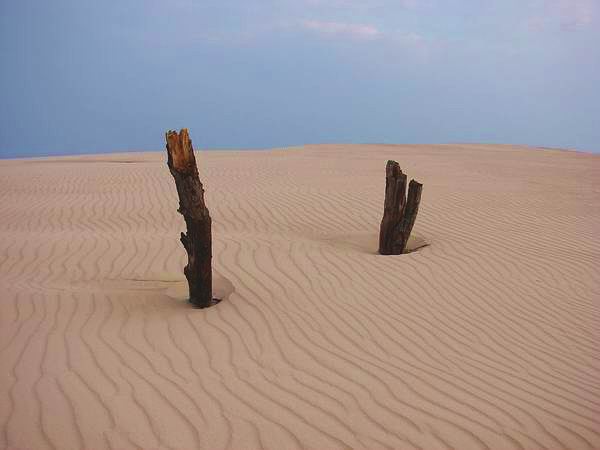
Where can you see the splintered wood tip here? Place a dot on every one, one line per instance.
(180, 150)
(416, 184)
(392, 169)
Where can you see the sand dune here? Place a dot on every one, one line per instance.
(487, 338)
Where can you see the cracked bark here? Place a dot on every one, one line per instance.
(399, 212)
(197, 240)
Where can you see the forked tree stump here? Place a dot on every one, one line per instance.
(399, 213)
(197, 241)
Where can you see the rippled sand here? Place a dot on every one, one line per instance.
(487, 338)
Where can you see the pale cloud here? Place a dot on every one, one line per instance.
(355, 31)
(408, 41)
(567, 15)
(576, 13)
(363, 3)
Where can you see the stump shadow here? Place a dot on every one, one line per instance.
(368, 243)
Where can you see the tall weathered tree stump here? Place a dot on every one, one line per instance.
(197, 241)
(399, 213)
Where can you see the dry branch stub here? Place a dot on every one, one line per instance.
(399, 212)
(197, 241)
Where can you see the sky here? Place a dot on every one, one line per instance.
(88, 76)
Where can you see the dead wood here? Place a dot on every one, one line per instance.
(399, 212)
(197, 241)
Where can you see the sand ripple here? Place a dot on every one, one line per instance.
(486, 338)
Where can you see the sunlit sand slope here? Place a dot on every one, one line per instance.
(487, 338)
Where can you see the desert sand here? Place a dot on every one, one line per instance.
(486, 338)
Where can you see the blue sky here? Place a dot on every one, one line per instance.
(81, 76)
